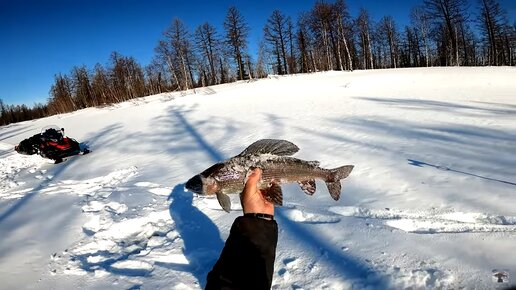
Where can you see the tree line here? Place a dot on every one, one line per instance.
(440, 33)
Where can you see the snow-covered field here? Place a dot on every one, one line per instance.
(431, 202)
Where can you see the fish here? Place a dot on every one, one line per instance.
(273, 157)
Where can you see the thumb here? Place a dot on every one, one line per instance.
(252, 180)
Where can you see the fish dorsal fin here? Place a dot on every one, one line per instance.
(271, 146)
(314, 163)
(224, 201)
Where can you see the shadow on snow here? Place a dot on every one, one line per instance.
(200, 234)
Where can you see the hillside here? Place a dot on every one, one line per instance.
(429, 204)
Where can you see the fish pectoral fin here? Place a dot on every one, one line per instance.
(274, 194)
(271, 146)
(308, 186)
(224, 201)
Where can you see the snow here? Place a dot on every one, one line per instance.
(430, 203)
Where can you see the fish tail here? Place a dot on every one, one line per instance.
(334, 177)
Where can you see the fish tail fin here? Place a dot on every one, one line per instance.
(334, 177)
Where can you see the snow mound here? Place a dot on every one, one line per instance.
(304, 216)
(102, 186)
(420, 278)
(11, 165)
(154, 188)
(117, 247)
(433, 220)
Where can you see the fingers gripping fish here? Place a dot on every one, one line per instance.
(273, 158)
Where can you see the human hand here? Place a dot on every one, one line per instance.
(252, 198)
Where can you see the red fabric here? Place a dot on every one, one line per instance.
(66, 143)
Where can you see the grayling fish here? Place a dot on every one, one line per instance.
(271, 156)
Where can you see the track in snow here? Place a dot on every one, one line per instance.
(433, 220)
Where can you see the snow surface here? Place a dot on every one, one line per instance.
(430, 203)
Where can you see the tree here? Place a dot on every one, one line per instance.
(448, 19)
(155, 76)
(388, 28)
(61, 100)
(291, 58)
(320, 22)
(493, 24)
(421, 22)
(237, 31)
(304, 44)
(81, 88)
(261, 67)
(276, 33)
(208, 43)
(363, 23)
(179, 53)
(100, 86)
(4, 118)
(343, 31)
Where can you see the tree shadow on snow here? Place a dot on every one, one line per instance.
(17, 132)
(423, 104)
(477, 151)
(422, 164)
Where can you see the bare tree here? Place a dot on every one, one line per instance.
(61, 100)
(421, 22)
(493, 24)
(81, 88)
(155, 74)
(208, 43)
(320, 24)
(304, 45)
(237, 31)
(343, 30)
(388, 28)
(100, 85)
(448, 16)
(177, 50)
(262, 61)
(291, 58)
(276, 33)
(364, 27)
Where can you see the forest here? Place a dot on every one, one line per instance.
(440, 33)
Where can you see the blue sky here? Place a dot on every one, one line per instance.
(41, 38)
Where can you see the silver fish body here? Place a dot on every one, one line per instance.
(271, 156)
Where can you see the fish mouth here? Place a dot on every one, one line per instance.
(194, 184)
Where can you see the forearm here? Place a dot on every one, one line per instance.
(247, 260)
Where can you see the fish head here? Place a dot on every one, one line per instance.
(202, 185)
(205, 182)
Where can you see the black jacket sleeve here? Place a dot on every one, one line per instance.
(247, 260)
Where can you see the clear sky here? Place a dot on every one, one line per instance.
(41, 38)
